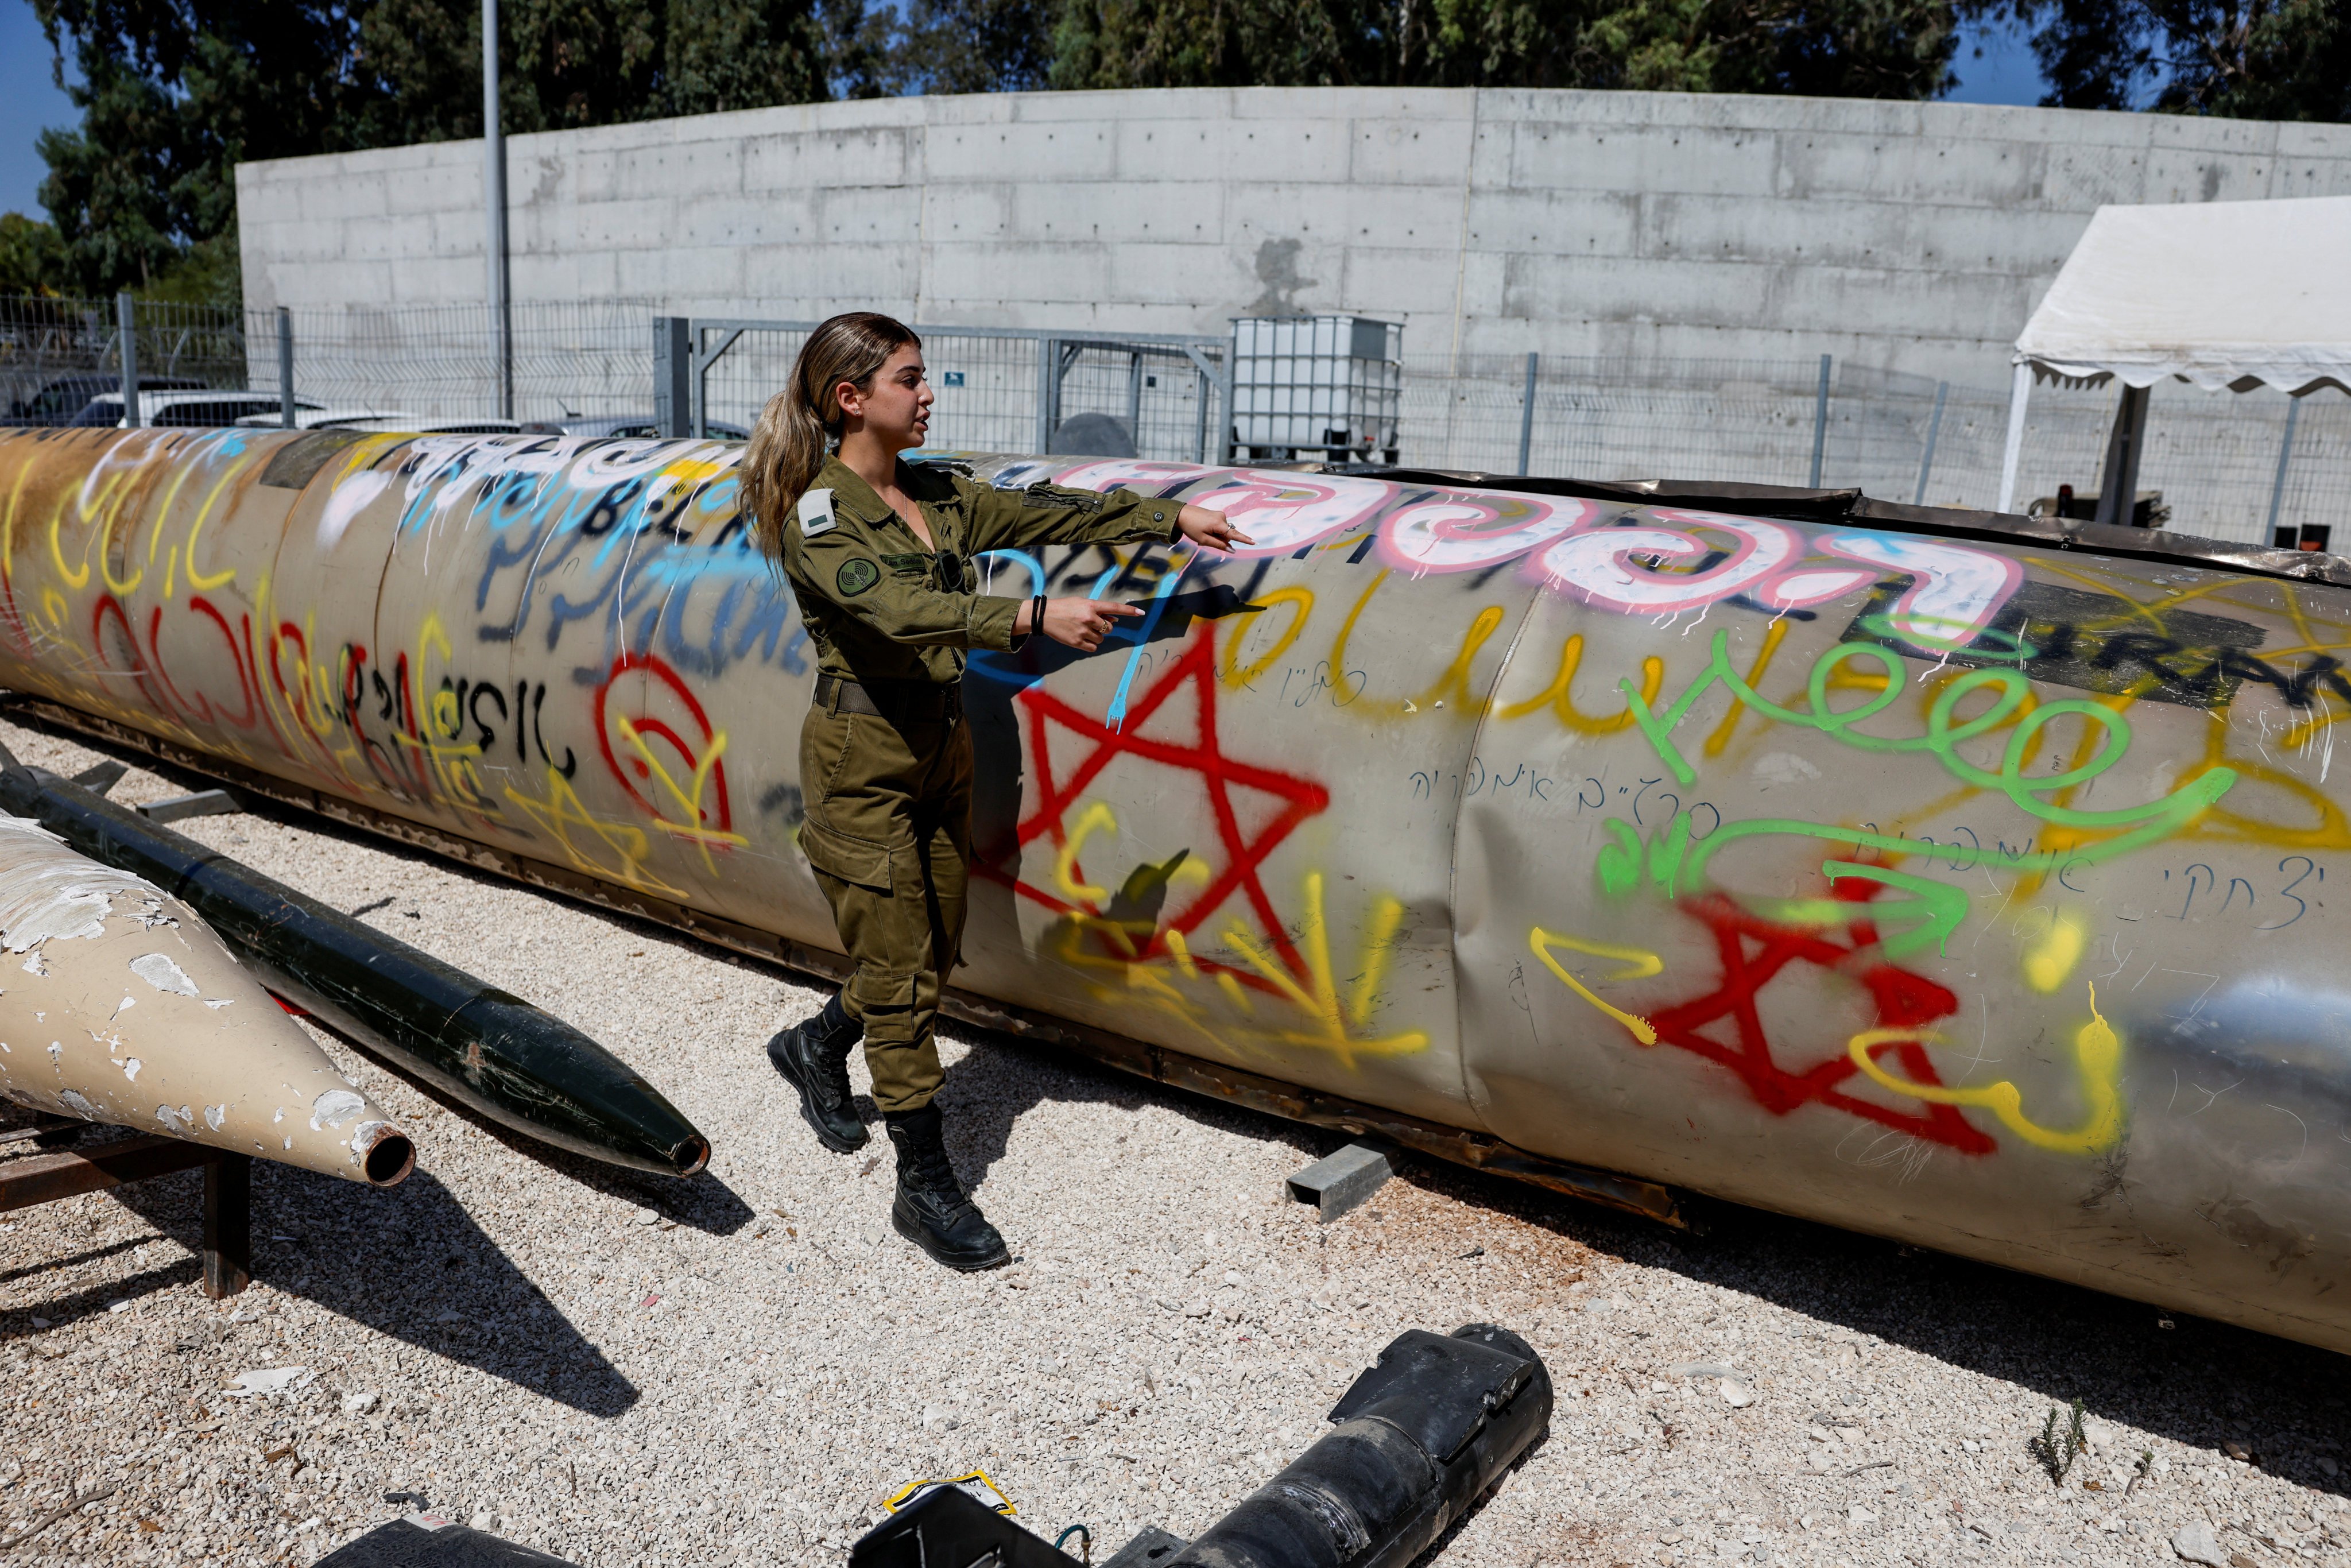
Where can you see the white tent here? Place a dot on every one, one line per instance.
(2230, 294)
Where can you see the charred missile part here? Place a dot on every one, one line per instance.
(488, 1048)
(117, 1004)
(1418, 1438)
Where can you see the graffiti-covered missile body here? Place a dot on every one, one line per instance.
(488, 1049)
(119, 1005)
(1951, 885)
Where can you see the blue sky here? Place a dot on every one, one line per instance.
(30, 100)
(1994, 67)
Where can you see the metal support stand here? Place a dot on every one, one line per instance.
(2118, 490)
(126, 328)
(1527, 419)
(1820, 422)
(228, 1224)
(227, 1246)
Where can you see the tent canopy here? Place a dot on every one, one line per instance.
(2222, 294)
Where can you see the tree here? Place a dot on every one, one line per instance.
(2267, 59)
(1873, 48)
(32, 257)
(175, 93)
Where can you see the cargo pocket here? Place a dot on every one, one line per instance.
(858, 862)
(885, 1004)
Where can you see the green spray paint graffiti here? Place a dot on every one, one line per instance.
(1674, 861)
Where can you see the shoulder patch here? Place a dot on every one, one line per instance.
(816, 513)
(856, 575)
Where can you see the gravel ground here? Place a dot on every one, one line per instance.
(625, 1370)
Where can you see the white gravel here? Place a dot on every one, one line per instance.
(625, 1370)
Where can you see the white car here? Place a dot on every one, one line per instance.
(181, 410)
(384, 422)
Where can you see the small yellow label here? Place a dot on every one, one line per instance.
(975, 1486)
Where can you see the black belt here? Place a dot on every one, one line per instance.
(900, 702)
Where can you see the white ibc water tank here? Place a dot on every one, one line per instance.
(1326, 386)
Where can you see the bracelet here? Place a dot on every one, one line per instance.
(1037, 616)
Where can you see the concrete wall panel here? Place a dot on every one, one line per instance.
(1664, 223)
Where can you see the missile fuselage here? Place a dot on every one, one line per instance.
(1970, 891)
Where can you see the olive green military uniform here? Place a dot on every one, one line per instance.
(889, 796)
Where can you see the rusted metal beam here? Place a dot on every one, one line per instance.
(46, 1178)
(226, 1250)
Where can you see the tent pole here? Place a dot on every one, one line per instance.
(2019, 392)
(2285, 453)
(2118, 488)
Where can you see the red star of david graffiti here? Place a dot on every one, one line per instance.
(1243, 854)
(1754, 951)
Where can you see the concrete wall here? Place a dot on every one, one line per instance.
(1639, 225)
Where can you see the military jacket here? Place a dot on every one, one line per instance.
(880, 606)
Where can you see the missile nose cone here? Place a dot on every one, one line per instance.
(128, 1010)
(385, 1155)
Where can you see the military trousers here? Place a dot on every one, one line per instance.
(889, 836)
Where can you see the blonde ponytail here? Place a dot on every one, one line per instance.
(801, 422)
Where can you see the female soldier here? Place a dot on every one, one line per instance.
(879, 556)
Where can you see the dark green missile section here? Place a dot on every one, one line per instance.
(489, 1049)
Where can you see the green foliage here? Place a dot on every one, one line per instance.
(175, 93)
(32, 257)
(1872, 48)
(2056, 1450)
(2262, 59)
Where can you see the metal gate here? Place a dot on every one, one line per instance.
(1000, 389)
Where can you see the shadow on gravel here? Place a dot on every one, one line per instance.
(407, 1262)
(2199, 1382)
(1004, 1078)
(702, 1200)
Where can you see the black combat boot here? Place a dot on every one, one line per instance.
(815, 1057)
(931, 1210)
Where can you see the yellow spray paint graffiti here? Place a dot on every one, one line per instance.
(1641, 963)
(2097, 1062)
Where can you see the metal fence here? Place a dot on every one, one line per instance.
(2215, 458)
(432, 363)
(998, 389)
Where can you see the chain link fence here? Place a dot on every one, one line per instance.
(431, 364)
(2214, 456)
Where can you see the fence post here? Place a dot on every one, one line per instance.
(1048, 353)
(1820, 422)
(2285, 453)
(285, 368)
(672, 376)
(494, 202)
(1527, 418)
(126, 331)
(1934, 429)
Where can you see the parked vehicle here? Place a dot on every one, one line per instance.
(384, 422)
(60, 400)
(623, 426)
(198, 407)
